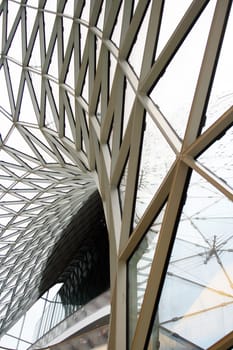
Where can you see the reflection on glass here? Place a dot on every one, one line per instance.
(157, 159)
(218, 158)
(178, 84)
(221, 97)
(138, 271)
(197, 299)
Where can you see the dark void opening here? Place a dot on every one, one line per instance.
(80, 259)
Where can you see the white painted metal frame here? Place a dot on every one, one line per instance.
(80, 134)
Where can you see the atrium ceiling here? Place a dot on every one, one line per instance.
(133, 98)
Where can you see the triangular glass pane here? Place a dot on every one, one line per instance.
(199, 276)
(156, 160)
(175, 90)
(49, 18)
(85, 88)
(83, 39)
(69, 128)
(15, 75)
(139, 266)
(6, 124)
(69, 80)
(17, 139)
(134, 58)
(53, 65)
(86, 11)
(35, 59)
(100, 21)
(1, 27)
(36, 83)
(112, 71)
(27, 111)
(171, 16)
(13, 9)
(4, 98)
(67, 24)
(128, 97)
(49, 118)
(31, 13)
(116, 33)
(218, 158)
(15, 50)
(221, 97)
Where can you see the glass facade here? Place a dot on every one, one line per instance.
(133, 98)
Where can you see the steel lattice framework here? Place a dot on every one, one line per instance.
(89, 97)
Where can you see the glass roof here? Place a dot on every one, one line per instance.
(81, 108)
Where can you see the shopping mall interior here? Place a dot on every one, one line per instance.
(116, 175)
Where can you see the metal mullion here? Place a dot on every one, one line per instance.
(161, 257)
(69, 112)
(78, 132)
(152, 37)
(19, 97)
(111, 18)
(33, 95)
(91, 154)
(109, 115)
(78, 9)
(151, 212)
(67, 56)
(16, 155)
(71, 152)
(84, 131)
(12, 32)
(42, 36)
(136, 139)
(126, 19)
(118, 118)
(31, 145)
(52, 103)
(77, 52)
(60, 44)
(92, 64)
(207, 71)
(224, 343)
(23, 32)
(4, 6)
(42, 106)
(52, 43)
(38, 142)
(61, 115)
(97, 85)
(9, 87)
(133, 28)
(210, 177)
(32, 40)
(162, 124)
(50, 139)
(94, 12)
(104, 98)
(82, 71)
(122, 154)
(211, 134)
(173, 44)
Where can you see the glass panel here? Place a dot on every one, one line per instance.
(157, 158)
(197, 298)
(135, 59)
(172, 14)
(138, 272)
(175, 89)
(221, 97)
(218, 158)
